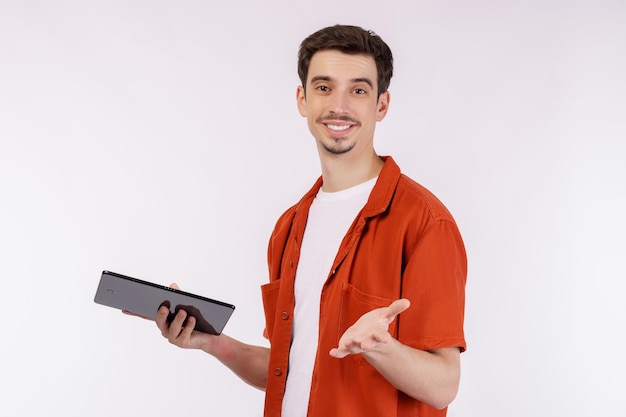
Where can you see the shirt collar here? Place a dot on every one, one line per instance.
(380, 196)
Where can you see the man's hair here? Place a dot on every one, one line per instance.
(349, 40)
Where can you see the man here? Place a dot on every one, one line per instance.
(365, 304)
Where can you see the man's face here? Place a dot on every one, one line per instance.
(341, 103)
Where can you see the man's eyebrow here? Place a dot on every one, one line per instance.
(363, 80)
(320, 78)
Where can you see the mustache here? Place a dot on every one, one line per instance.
(343, 118)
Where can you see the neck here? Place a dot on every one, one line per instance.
(340, 172)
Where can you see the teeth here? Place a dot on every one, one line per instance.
(338, 128)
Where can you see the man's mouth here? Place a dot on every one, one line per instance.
(339, 125)
(338, 128)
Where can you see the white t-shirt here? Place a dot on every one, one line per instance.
(330, 217)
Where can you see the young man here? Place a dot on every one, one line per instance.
(364, 308)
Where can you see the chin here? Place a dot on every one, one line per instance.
(335, 150)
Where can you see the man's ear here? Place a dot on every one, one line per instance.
(383, 106)
(301, 100)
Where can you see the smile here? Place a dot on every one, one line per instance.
(338, 128)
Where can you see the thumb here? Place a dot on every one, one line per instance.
(175, 286)
(396, 308)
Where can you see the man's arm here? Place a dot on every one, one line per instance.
(248, 362)
(428, 376)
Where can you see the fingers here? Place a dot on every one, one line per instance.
(370, 330)
(171, 329)
(178, 331)
(344, 349)
(338, 353)
(161, 320)
(177, 326)
(184, 337)
(352, 346)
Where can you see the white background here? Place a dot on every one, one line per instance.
(161, 140)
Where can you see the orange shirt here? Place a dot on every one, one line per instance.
(403, 244)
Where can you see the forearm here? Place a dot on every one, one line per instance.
(430, 377)
(248, 362)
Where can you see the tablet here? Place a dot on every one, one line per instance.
(144, 299)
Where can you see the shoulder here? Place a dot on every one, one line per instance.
(399, 195)
(412, 197)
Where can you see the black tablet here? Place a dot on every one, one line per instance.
(144, 299)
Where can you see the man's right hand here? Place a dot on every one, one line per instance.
(180, 331)
(248, 362)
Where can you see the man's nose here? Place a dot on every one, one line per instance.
(340, 103)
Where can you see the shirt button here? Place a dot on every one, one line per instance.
(291, 264)
(284, 315)
(278, 372)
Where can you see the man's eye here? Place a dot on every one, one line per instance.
(360, 91)
(323, 88)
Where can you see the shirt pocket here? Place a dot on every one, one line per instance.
(355, 303)
(269, 293)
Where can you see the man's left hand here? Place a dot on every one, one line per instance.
(369, 330)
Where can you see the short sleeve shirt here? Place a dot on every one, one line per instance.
(404, 243)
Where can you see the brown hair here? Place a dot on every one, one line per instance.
(349, 40)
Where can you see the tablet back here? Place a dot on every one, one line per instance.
(144, 299)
